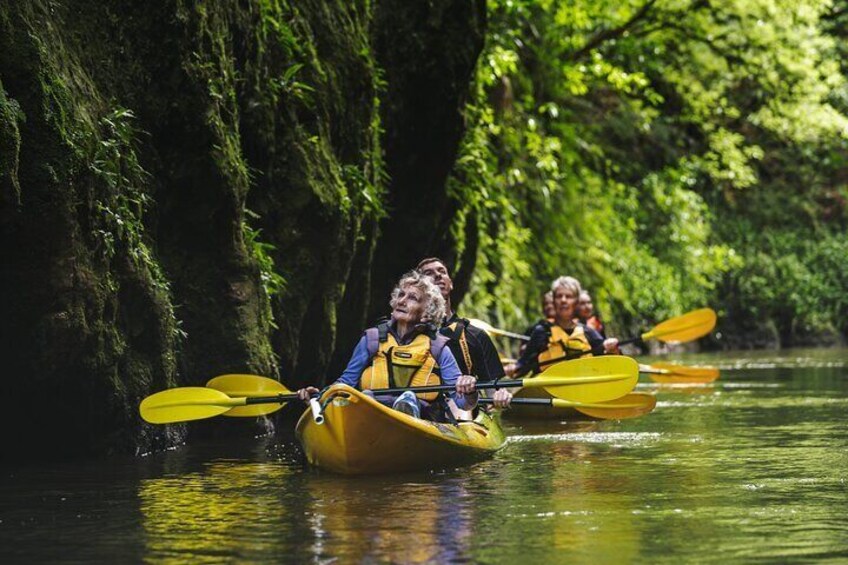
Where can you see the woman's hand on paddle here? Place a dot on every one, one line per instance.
(501, 398)
(466, 384)
(510, 369)
(611, 345)
(306, 393)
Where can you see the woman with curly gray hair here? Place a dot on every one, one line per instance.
(407, 351)
(432, 304)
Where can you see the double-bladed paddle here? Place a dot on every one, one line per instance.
(680, 329)
(685, 327)
(591, 380)
(630, 405)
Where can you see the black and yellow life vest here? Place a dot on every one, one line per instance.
(562, 345)
(394, 365)
(455, 331)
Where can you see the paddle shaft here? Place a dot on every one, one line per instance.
(512, 335)
(562, 403)
(630, 340)
(503, 383)
(280, 398)
(533, 401)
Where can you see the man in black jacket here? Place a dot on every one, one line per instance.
(473, 349)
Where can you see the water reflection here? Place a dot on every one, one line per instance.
(227, 509)
(375, 520)
(253, 510)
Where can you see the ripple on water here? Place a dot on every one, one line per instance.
(618, 439)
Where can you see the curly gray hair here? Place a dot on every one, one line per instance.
(568, 283)
(434, 304)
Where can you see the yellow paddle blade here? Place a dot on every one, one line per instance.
(485, 326)
(687, 327)
(185, 404)
(630, 405)
(492, 330)
(250, 386)
(673, 374)
(590, 379)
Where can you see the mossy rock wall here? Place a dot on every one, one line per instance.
(189, 189)
(424, 126)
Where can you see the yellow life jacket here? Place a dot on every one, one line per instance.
(394, 365)
(561, 345)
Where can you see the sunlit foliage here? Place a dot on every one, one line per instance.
(653, 149)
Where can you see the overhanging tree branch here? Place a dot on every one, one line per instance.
(612, 33)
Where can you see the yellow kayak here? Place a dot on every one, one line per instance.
(361, 436)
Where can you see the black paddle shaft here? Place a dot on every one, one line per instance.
(534, 401)
(448, 388)
(629, 340)
(281, 398)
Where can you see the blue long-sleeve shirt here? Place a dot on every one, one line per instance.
(361, 359)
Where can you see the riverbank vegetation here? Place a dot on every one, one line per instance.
(670, 154)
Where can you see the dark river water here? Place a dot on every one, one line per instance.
(751, 468)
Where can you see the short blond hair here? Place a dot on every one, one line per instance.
(434, 304)
(568, 283)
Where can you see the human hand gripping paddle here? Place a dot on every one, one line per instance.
(576, 383)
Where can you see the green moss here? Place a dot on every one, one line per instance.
(148, 135)
(95, 318)
(10, 145)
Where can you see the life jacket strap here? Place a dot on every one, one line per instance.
(462, 326)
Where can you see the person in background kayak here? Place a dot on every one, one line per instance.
(586, 313)
(548, 314)
(563, 339)
(548, 308)
(471, 347)
(407, 350)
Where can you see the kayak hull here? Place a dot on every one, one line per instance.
(361, 436)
